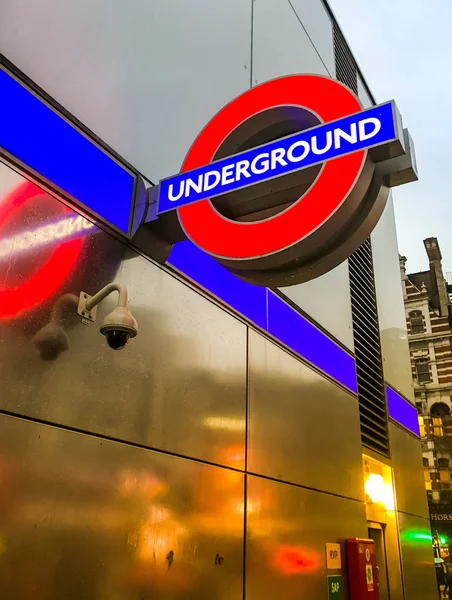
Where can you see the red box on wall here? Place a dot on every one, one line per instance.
(362, 569)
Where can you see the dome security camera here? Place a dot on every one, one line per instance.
(118, 326)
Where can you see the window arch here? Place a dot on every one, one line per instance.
(416, 321)
(439, 409)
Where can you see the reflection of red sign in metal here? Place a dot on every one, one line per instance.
(293, 560)
(58, 262)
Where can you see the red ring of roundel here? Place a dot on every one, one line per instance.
(224, 238)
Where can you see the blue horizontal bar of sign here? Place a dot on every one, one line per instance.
(45, 143)
(402, 411)
(362, 130)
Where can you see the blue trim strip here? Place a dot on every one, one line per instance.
(46, 143)
(402, 411)
(269, 312)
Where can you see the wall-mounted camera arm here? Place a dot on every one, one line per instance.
(119, 325)
(106, 291)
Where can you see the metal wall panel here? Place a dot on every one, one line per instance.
(391, 311)
(302, 428)
(145, 76)
(327, 300)
(408, 472)
(281, 45)
(287, 528)
(417, 558)
(366, 100)
(393, 558)
(86, 518)
(180, 385)
(317, 24)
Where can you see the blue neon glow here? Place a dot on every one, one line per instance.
(402, 411)
(266, 310)
(43, 141)
(296, 151)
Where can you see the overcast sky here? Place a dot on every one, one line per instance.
(404, 49)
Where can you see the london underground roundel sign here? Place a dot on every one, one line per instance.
(288, 179)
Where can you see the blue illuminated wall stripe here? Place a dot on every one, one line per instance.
(268, 311)
(402, 411)
(45, 142)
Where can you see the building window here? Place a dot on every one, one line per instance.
(422, 426)
(423, 371)
(434, 477)
(444, 476)
(438, 427)
(416, 321)
(443, 463)
(425, 461)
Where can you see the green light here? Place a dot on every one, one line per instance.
(416, 535)
(443, 540)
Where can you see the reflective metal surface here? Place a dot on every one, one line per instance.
(391, 311)
(288, 528)
(280, 43)
(417, 558)
(408, 473)
(327, 300)
(366, 100)
(393, 556)
(302, 428)
(319, 27)
(86, 518)
(146, 81)
(180, 385)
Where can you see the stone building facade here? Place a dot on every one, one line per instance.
(428, 309)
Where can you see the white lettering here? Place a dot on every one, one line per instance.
(75, 225)
(351, 137)
(277, 157)
(5, 247)
(241, 168)
(265, 163)
(61, 229)
(362, 128)
(328, 143)
(43, 235)
(197, 187)
(227, 175)
(22, 241)
(216, 180)
(171, 195)
(87, 224)
(303, 155)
